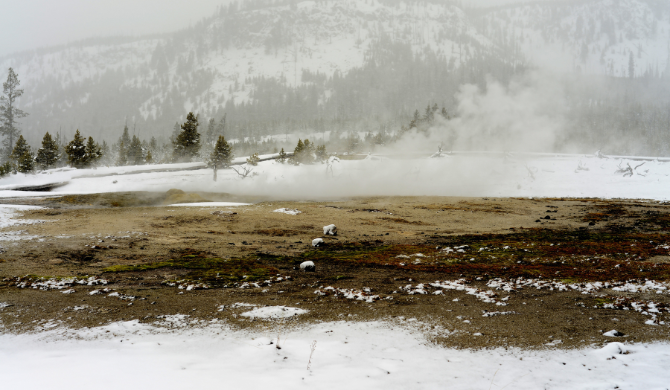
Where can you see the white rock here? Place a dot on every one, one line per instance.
(330, 230)
(613, 333)
(317, 242)
(307, 266)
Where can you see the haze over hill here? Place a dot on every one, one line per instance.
(595, 72)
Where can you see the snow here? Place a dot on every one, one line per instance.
(210, 204)
(317, 242)
(460, 174)
(346, 355)
(274, 312)
(8, 212)
(288, 211)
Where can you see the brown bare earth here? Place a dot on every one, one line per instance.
(158, 259)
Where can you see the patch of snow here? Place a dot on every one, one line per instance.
(210, 204)
(274, 312)
(288, 211)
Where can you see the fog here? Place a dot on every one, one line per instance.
(384, 77)
(32, 24)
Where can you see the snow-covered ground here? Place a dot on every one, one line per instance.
(343, 354)
(325, 356)
(488, 175)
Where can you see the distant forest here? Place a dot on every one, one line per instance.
(621, 115)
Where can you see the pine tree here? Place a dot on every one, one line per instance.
(93, 152)
(149, 159)
(222, 155)
(122, 158)
(298, 152)
(253, 159)
(135, 152)
(26, 163)
(106, 158)
(20, 149)
(76, 151)
(47, 155)
(6, 169)
(282, 156)
(321, 153)
(308, 153)
(187, 143)
(9, 114)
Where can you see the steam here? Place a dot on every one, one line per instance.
(526, 116)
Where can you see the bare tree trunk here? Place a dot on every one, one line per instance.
(215, 171)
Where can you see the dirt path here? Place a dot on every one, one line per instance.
(443, 264)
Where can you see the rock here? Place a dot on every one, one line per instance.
(317, 242)
(613, 333)
(307, 266)
(330, 230)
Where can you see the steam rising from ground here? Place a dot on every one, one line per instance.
(526, 116)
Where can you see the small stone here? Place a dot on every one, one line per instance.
(330, 230)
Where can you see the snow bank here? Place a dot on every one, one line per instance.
(347, 355)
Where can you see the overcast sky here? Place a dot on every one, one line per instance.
(30, 24)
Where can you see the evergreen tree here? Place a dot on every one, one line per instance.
(135, 152)
(6, 169)
(187, 143)
(9, 114)
(107, 156)
(26, 163)
(308, 153)
(282, 156)
(253, 159)
(222, 155)
(321, 153)
(298, 153)
(122, 158)
(93, 152)
(149, 159)
(48, 154)
(20, 149)
(76, 151)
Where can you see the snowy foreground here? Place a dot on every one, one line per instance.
(343, 355)
(468, 174)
